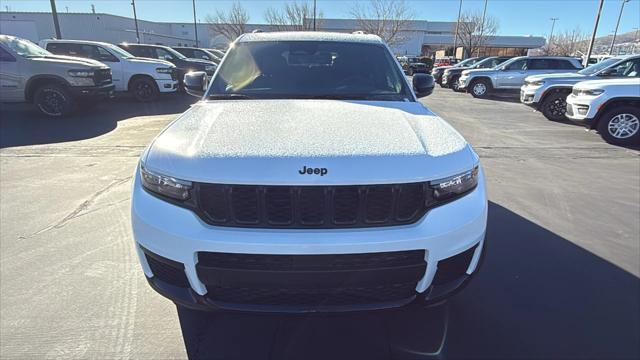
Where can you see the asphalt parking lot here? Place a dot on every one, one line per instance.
(561, 276)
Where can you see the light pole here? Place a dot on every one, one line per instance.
(314, 15)
(195, 25)
(455, 38)
(135, 19)
(484, 13)
(617, 24)
(56, 24)
(593, 34)
(553, 24)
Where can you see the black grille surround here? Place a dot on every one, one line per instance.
(102, 76)
(304, 207)
(311, 280)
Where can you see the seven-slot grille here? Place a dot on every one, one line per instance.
(312, 206)
(102, 76)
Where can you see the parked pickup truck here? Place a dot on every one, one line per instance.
(145, 79)
(548, 93)
(611, 106)
(54, 84)
(511, 74)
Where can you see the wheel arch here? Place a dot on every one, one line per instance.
(554, 90)
(475, 79)
(38, 80)
(135, 77)
(611, 103)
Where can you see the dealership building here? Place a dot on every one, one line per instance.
(422, 37)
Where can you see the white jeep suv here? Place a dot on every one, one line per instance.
(611, 106)
(308, 178)
(143, 78)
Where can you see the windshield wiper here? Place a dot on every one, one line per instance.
(229, 97)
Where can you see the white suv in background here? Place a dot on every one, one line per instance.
(610, 106)
(144, 78)
(308, 178)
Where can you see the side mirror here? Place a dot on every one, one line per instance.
(167, 57)
(423, 84)
(196, 83)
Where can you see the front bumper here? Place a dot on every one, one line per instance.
(463, 82)
(584, 109)
(167, 85)
(530, 95)
(103, 91)
(175, 236)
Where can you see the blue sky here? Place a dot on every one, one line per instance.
(516, 17)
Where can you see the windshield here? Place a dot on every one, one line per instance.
(467, 62)
(121, 52)
(175, 53)
(592, 69)
(24, 47)
(310, 69)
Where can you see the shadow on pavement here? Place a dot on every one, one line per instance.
(22, 124)
(537, 296)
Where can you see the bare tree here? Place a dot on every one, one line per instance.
(385, 18)
(568, 43)
(474, 31)
(229, 24)
(293, 17)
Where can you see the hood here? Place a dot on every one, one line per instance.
(442, 68)
(476, 71)
(569, 77)
(141, 60)
(69, 60)
(269, 141)
(200, 61)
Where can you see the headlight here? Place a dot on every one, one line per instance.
(81, 73)
(164, 70)
(455, 186)
(588, 92)
(165, 185)
(535, 83)
(210, 68)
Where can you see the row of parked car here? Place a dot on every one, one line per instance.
(61, 75)
(604, 96)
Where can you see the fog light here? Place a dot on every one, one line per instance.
(582, 109)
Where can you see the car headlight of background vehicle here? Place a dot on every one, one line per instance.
(164, 70)
(587, 92)
(535, 83)
(454, 186)
(166, 186)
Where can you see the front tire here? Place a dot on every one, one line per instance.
(454, 84)
(554, 106)
(144, 89)
(54, 100)
(620, 125)
(480, 88)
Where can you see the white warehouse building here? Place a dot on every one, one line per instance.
(424, 37)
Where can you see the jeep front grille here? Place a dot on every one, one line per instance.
(312, 206)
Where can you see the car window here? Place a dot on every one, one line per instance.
(103, 54)
(5, 56)
(629, 68)
(141, 51)
(308, 69)
(564, 65)
(594, 68)
(185, 52)
(199, 54)
(541, 64)
(517, 65)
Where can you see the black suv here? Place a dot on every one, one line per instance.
(197, 53)
(182, 63)
(451, 75)
(438, 71)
